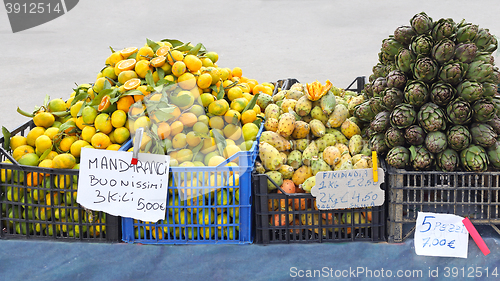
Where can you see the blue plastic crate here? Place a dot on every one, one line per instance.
(220, 213)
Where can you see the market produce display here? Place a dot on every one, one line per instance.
(432, 98)
(310, 128)
(198, 113)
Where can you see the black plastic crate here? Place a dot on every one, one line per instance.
(467, 194)
(293, 218)
(40, 203)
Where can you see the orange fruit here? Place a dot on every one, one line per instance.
(158, 61)
(114, 147)
(216, 122)
(232, 115)
(33, 134)
(34, 179)
(100, 141)
(248, 116)
(237, 72)
(114, 58)
(192, 139)
(234, 93)
(163, 130)
(178, 68)
(18, 140)
(118, 118)
(66, 142)
(124, 65)
(121, 135)
(127, 52)
(76, 147)
(174, 56)
(162, 51)
(124, 103)
(103, 124)
(218, 107)
(204, 80)
(187, 81)
(126, 75)
(188, 119)
(132, 84)
(44, 119)
(142, 67)
(64, 161)
(176, 127)
(193, 63)
(179, 140)
(144, 53)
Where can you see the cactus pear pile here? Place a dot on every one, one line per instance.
(306, 133)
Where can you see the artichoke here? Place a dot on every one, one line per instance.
(379, 85)
(377, 143)
(442, 93)
(379, 70)
(483, 134)
(466, 32)
(405, 60)
(495, 124)
(495, 76)
(486, 57)
(479, 71)
(422, 45)
(431, 118)
(443, 51)
(448, 160)
(485, 41)
(421, 23)
(368, 88)
(398, 157)
(396, 79)
(414, 135)
(394, 137)
(483, 110)
(436, 142)
(493, 153)
(489, 89)
(470, 91)
(416, 93)
(404, 34)
(403, 116)
(381, 122)
(376, 104)
(474, 158)
(459, 111)
(392, 97)
(421, 158)
(391, 46)
(425, 69)
(465, 52)
(458, 137)
(364, 112)
(443, 28)
(452, 72)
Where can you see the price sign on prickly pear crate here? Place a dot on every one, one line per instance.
(348, 189)
(109, 182)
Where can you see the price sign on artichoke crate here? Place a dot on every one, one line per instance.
(109, 182)
(348, 189)
(441, 235)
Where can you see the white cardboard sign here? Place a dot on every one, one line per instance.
(441, 235)
(108, 182)
(348, 189)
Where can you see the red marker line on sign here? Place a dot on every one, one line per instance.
(475, 235)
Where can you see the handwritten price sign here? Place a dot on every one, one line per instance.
(348, 189)
(441, 235)
(108, 182)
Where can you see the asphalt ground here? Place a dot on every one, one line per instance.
(269, 40)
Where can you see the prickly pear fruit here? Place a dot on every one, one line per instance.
(344, 149)
(347, 165)
(271, 124)
(349, 129)
(286, 171)
(328, 103)
(301, 174)
(297, 87)
(272, 111)
(303, 106)
(306, 118)
(301, 130)
(319, 165)
(356, 158)
(324, 141)
(276, 177)
(259, 168)
(355, 144)
(269, 156)
(287, 104)
(283, 156)
(317, 113)
(339, 137)
(286, 124)
(280, 95)
(338, 116)
(295, 159)
(276, 140)
(308, 154)
(361, 164)
(263, 101)
(331, 155)
(308, 184)
(300, 144)
(294, 94)
(354, 102)
(317, 128)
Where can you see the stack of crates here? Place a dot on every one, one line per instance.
(40, 203)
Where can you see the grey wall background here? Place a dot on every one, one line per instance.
(269, 40)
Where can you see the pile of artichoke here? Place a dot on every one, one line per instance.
(433, 97)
